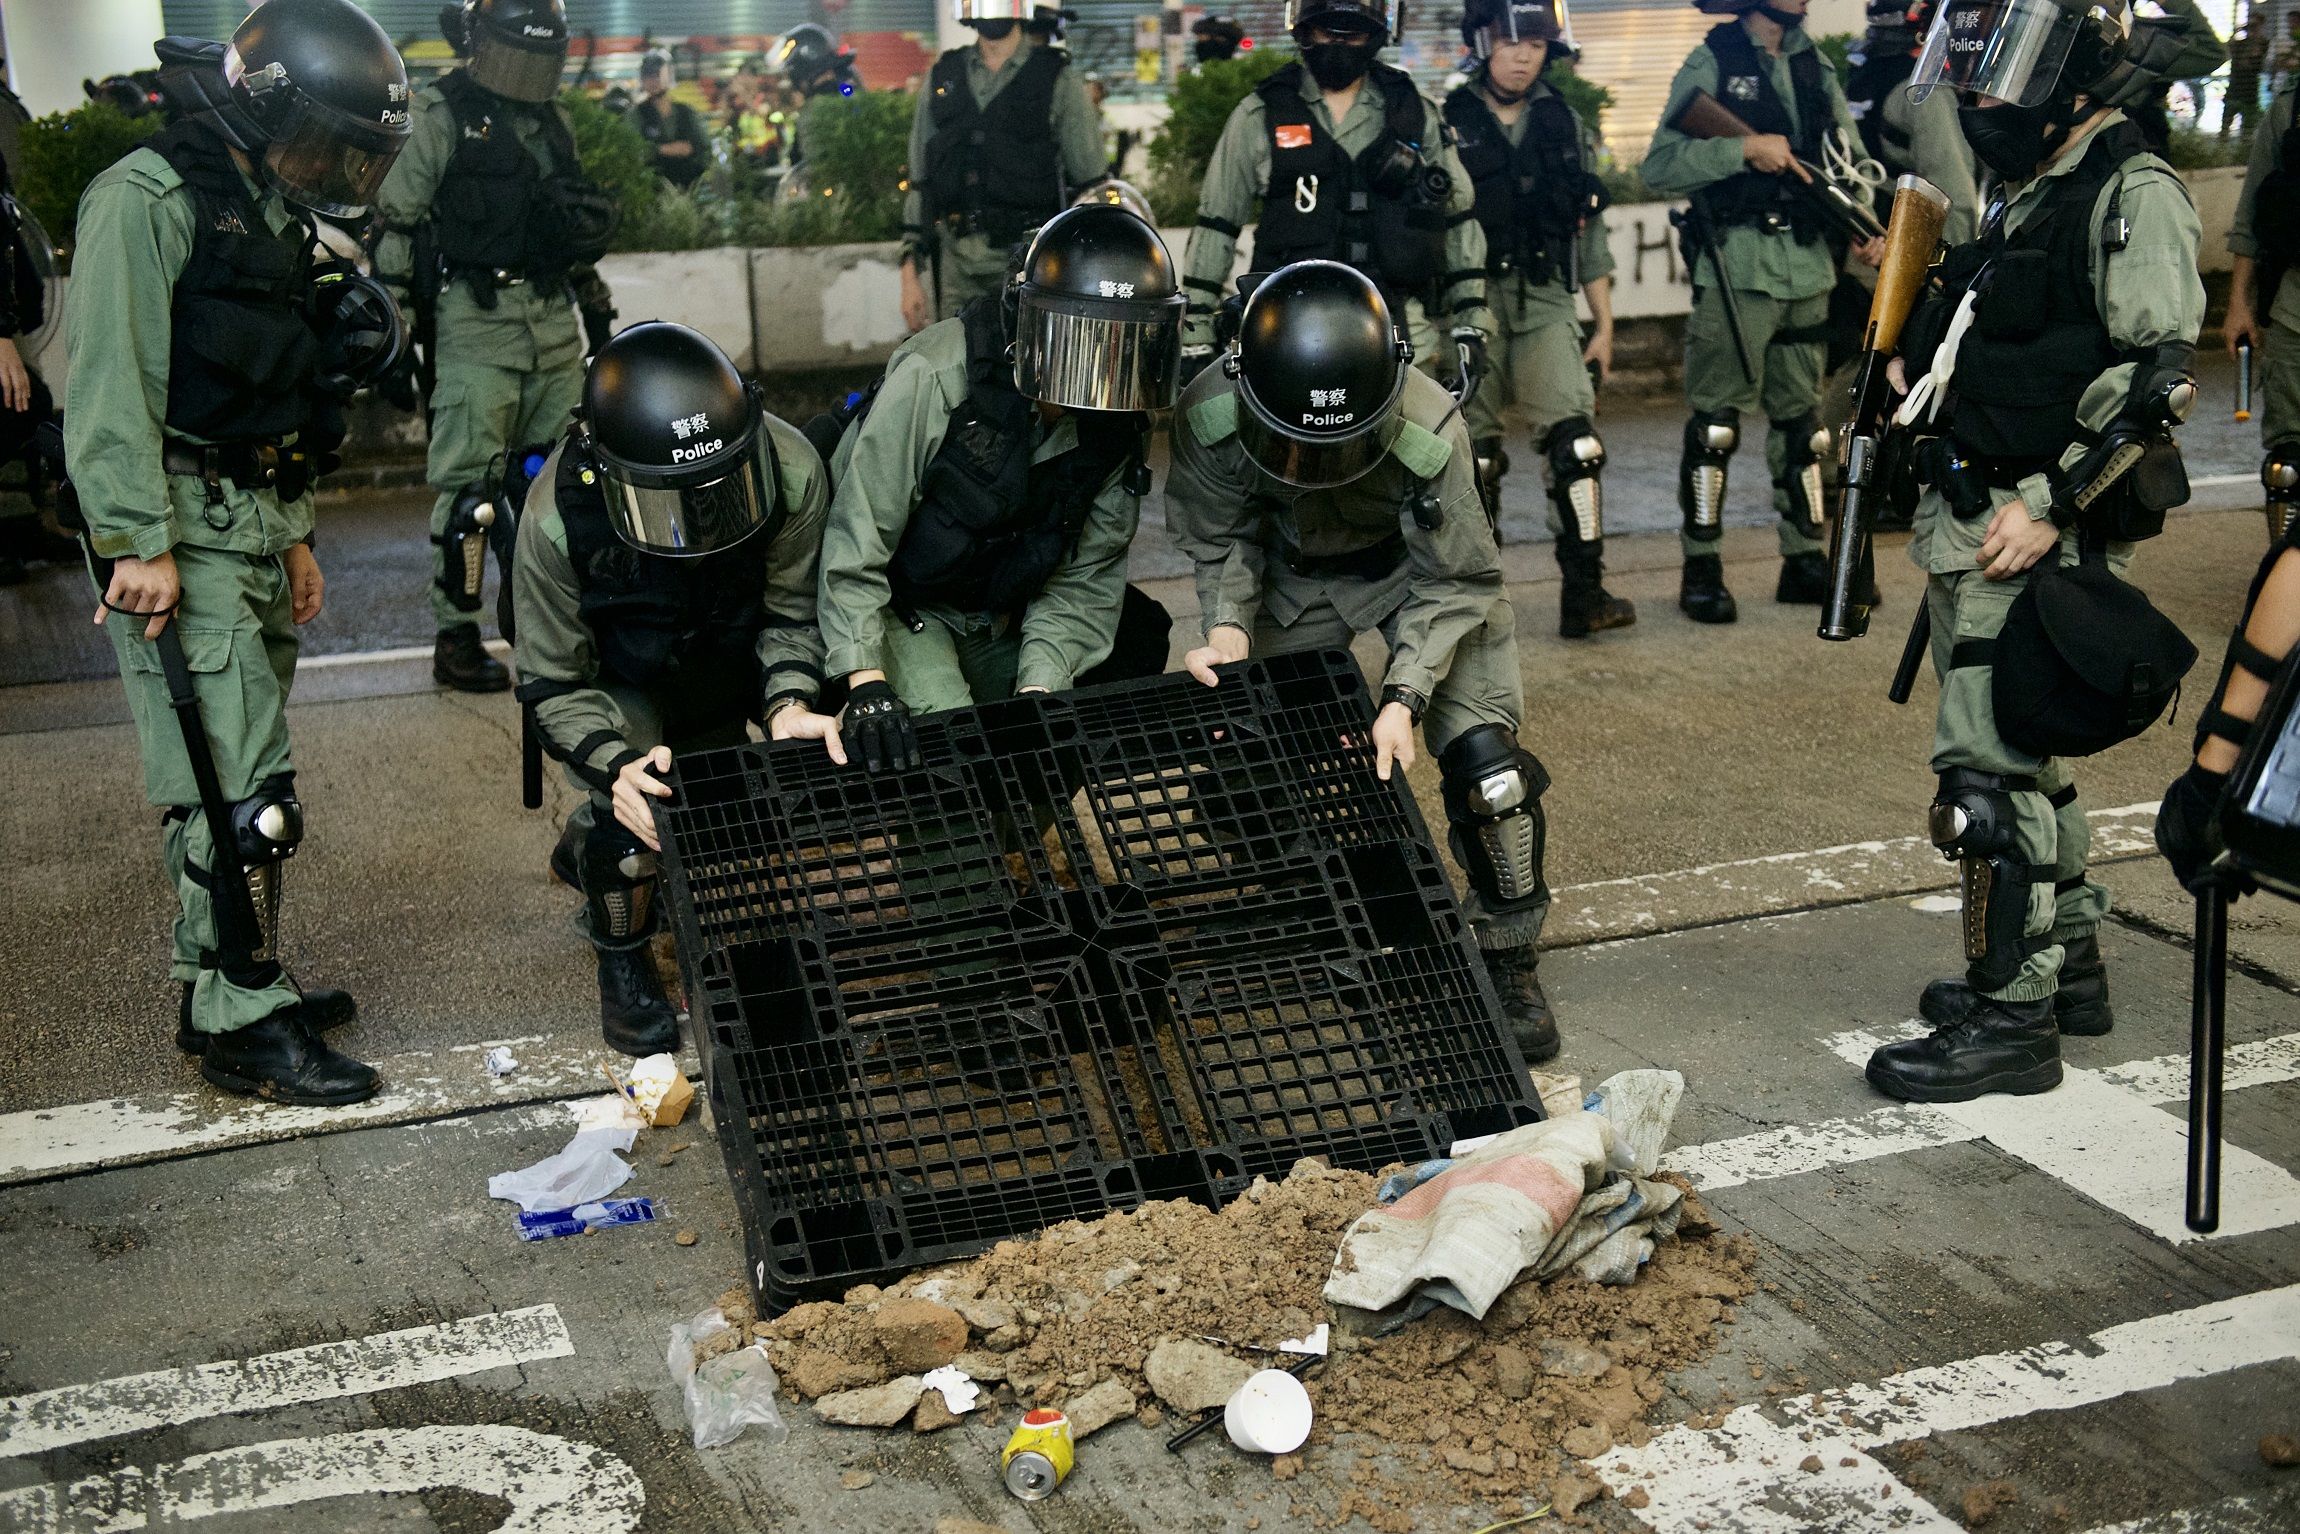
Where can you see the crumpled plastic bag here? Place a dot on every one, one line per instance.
(586, 1171)
(1546, 1199)
(729, 1393)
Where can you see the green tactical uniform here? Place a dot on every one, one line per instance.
(2279, 363)
(137, 226)
(1312, 569)
(1230, 200)
(941, 657)
(509, 364)
(592, 721)
(2148, 293)
(963, 262)
(1782, 281)
(1536, 350)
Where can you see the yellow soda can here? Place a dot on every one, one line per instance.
(1039, 1455)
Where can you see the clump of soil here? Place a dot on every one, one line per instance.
(1462, 1411)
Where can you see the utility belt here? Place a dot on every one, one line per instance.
(1964, 477)
(2131, 511)
(998, 228)
(251, 465)
(486, 282)
(1372, 563)
(1770, 221)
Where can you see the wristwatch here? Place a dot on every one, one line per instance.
(1414, 701)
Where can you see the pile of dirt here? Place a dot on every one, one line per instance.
(1459, 1411)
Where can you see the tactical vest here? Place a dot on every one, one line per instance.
(1323, 205)
(991, 527)
(242, 350)
(497, 209)
(2038, 339)
(686, 631)
(1532, 195)
(1745, 87)
(2276, 213)
(995, 166)
(1884, 66)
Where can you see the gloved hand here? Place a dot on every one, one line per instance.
(2187, 832)
(1470, 358)
(398, 387)
(879, 730)
(598, 329)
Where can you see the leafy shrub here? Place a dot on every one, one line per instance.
(2194, 149)
(857, 153)
(1196, 110)
(616, 156)
(64, 151)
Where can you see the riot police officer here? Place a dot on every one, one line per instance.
(1528, 160)
(1349, 162)
(2264, 296)
(1003, 136)
(1322, 488)
(194, 265)
(978, 535)
(490, 233)
(2059, 337)
(1905, 136)
(673, 129)
(812, 62)
(665, 595)
(1766, 348)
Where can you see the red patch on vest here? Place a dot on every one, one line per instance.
(1293, 135)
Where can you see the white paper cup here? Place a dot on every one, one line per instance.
(1270, 1414)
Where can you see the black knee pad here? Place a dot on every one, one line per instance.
(1576, 459)
(2280, 478)
(1973, 824)
(618, 872)
(1710, 438)
(1493, 788)
(463, 546)
(1806, 442)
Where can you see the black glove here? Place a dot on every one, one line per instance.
(2187, 822)
(598, 329)
(879, 730)
(398, 387)
(1469, 358)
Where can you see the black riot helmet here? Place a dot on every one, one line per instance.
(2027, 53)
(1380, 17)
(1098, 313)
(312, 90)
(680, 443)
(1218, 38)
(517, 48)
(1320, 368)
(1487, 24)
(811, 60)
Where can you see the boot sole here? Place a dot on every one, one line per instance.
(2027, 1083)
(271, 1092)
(1717, 619)
(461, 686)
(641, 1052)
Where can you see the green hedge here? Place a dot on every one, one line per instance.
(64, 151)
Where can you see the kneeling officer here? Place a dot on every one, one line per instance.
(665, 592)
(1325, 487)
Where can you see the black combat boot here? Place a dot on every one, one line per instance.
(460, 661)
(282, 1060)
(1515, 976)
(322, 1009)
(1701, 594)
(1997, 1046)
(635, 1017)
(1584, 606)
(2079, 1009)
(1804, 580)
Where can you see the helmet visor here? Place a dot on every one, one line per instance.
(691, 519)
(1312, 463)
(1088, 356)
(2011, 50)
(994, 10)
(1528, 21)
(515, 72)
(329, 161)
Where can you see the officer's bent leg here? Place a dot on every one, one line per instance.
(1483, 692)
(1719, 395)
(475, 412)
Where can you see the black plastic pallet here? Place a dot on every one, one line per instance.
(1141, 941)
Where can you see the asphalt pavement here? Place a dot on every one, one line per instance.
(210, 1308)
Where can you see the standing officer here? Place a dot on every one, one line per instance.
(2265, 240)
(193, 394)
(1323, 489)
(813, 63)
(1527, 157)
(674, 130)
(490, 232)
(1003, 136)
(1770, 248)
(1347, 162)
(665, 594)
(977, 539)
(2080, 305)
(1906, 136)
